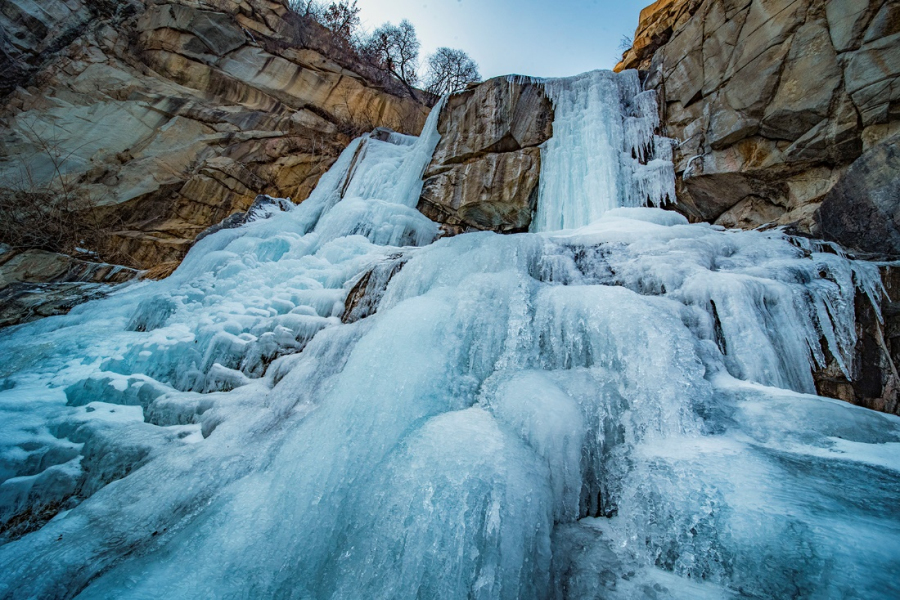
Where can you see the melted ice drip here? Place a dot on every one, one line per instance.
(604, 152)
(615, 411)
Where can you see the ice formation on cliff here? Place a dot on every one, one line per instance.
(621, 409)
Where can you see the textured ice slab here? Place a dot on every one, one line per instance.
(614, 411)
(604, 152)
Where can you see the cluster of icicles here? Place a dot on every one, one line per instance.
(616, 405)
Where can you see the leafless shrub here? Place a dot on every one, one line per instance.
(625, 45)
(52, 215)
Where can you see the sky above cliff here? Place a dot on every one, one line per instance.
(528, 37)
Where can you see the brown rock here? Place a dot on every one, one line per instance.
(807, 84)
(786, 91)
(496, 192)
(36, 284)
(485, 171)
(871, 74)
(173, 114)
(367, 292)
(656, 24)
(720, 39)
(494, 117)
(750, 213)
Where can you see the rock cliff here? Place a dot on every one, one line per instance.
(169, 115)
(485, 171)
(772, 101)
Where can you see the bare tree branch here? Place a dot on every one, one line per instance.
(450, 71)
(395, 49)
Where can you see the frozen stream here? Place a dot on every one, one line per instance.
(620, 409)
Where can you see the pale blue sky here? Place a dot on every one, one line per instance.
(552, 38)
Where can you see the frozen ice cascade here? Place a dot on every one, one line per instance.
(604, 153)
(621, 409)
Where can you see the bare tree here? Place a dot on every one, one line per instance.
(306, 8)
(450, 71)
(342, 18)
(395, 49)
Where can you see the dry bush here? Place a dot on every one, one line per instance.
(51, 215)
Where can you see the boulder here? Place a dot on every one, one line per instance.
(496, 192)
(485, 171)
(862, 212)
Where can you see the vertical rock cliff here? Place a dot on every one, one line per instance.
(166, 116)
(772, 101)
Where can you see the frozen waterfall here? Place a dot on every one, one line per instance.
(619, 410)
(604, 152)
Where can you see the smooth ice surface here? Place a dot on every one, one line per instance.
(615, 410)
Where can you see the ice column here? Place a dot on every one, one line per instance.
(604, 153)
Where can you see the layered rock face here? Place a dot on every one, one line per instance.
(772, 101)
(485, 171)
(37, 283)
(170, 115)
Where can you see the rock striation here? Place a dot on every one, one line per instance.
(772, 100)
(485, 171)
(36, 283)
(170, 115)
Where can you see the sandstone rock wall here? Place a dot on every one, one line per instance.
(771, 100)
(170, 115)
(485, 171)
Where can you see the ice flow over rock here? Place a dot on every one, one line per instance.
(621, 409)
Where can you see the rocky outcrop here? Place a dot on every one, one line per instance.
(366, 294)
(263, 207)
(875, 382)
(485, 171)
(862, 212)
(771, 100)
(170, 115)
(37, 283)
